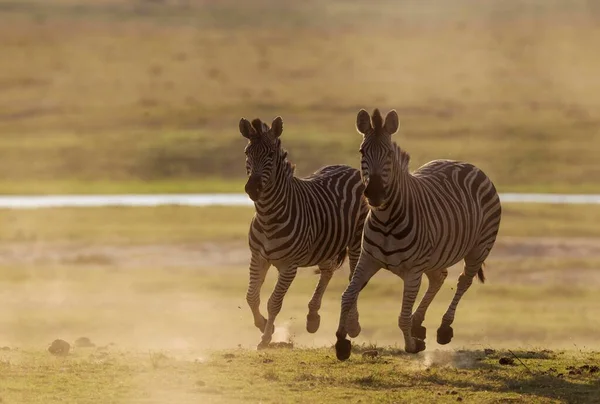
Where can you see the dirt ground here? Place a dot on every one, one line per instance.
(191, 298)
(236, 254)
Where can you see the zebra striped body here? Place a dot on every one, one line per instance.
(299, 222)
(316, 221)
(437, 215)
(419, 223)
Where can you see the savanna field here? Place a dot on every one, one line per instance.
(136, 96)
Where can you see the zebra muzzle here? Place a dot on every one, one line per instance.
(253, 187)
(375, 191)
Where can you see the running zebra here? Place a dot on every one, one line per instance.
(299, 222)
(419, 223)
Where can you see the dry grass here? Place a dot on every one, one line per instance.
(177, 224)
(136, 91)
(298, 376)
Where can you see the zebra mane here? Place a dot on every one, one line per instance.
(377, 121)
(402, 157)
(286, 164)
(258, 126)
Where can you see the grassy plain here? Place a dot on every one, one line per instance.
(145, 96)
(161, 291)
(302, 375)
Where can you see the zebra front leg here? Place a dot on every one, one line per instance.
(366, 268)
(353, 325)
(412, 282)
(284, 280)
(445, 333)
(258, 271)
(313, 319)
(436, 280)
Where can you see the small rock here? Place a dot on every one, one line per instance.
(83, 342)
(574, 372)
(370, 354)
(489, 351)
(454, 392)
(594, 369)
(267, 360)
(506, 361)
(459, 399)
(59, 347)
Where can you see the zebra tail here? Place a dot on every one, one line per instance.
(480, 274)
(341, 258)
(339, 261)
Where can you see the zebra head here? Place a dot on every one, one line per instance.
(261, 153)
(377, 151)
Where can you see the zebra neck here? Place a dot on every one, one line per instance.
(398, 199)
(274, 199)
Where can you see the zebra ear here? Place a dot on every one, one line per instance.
(246, 129)
(363, 122)
(391, 122)
(277, 127)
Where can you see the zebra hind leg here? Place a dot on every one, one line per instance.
(284, 280)
(445, 333)
(313, 319)
(436, 280)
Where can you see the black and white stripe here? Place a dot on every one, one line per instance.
(299, 222)
(419, 223)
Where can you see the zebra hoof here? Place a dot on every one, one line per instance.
(354, 330)
(418, 331)
(264, 344)
(444, 334)
(418, 346)
(313, 321)
(342, 349)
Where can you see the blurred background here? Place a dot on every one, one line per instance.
(145, 96)
(140, 95)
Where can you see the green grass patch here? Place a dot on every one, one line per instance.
(315, 375)
(107, 187)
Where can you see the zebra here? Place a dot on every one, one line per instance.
(299, 222)
(419, 223)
